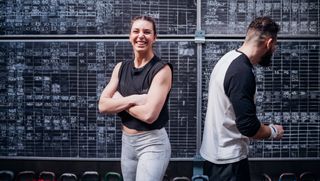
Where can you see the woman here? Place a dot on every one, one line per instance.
(138, 91)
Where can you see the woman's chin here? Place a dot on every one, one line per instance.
(140, 49)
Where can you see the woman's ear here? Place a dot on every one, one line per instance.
(154, 39)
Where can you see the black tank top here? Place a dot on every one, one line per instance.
(138, 81)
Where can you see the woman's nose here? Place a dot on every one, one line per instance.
(141, 34)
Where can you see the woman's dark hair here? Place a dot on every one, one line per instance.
(265, 25)
(147, 18)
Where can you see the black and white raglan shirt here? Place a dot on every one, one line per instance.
(231, 111)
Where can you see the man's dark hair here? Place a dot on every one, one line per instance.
(147, 18)
(265, 25)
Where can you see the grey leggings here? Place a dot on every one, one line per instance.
(145, 156)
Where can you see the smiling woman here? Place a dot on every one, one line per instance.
(142, 37)
(139, 91)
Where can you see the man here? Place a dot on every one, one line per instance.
(231, 113)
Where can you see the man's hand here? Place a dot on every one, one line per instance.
(276, 131)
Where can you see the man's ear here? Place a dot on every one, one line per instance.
(269, 43)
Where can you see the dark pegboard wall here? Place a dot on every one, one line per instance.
(296, 17)
(65, 17)
(50, 92)
(49, 88)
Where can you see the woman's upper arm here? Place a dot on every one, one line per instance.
(105, 105)
(112, 86)
(158, 92)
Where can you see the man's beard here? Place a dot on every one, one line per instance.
(265, 60)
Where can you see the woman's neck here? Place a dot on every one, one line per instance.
(142, 59)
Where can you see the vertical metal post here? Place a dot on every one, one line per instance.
(199, 39)
(199, 74)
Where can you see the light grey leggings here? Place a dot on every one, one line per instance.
(145, 156)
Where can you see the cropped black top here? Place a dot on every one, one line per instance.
(138, 81)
